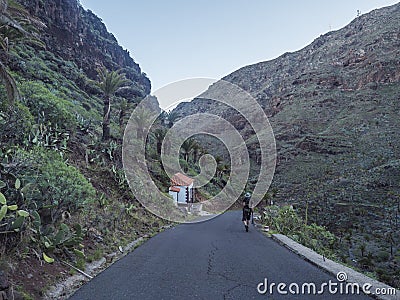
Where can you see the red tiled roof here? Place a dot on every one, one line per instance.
(181, 180)
(174, 189)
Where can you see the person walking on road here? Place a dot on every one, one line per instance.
(246, 201)
(247, 211)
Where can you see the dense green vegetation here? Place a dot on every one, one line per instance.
(348, 248)
(189, 159)
(63, 193)
(286, 221)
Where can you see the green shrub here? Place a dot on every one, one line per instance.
(56, 186)
(16, 125)
(382, 256)
(317, 238)
(286, 221)
(46, 107)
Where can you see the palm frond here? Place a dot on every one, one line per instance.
(9, 83)
(4, 44)
(111, 81)
(23, 16)
(8, 21)
(16, 24)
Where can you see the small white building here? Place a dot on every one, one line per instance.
(182, 188)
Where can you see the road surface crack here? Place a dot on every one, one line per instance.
(211, 258)
(210, 266)
(227, 292)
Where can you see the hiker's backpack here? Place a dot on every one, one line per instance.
(247, 211)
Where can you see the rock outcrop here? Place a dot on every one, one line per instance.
(334, 108)
(336, 97)
(78, 35)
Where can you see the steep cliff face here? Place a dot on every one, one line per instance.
(366, 51)
(78, 35)
(334, 108)
(337, 96)
(51, 141)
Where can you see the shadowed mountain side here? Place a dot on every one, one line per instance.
(334, 108)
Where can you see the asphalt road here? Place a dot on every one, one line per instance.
(216, 259)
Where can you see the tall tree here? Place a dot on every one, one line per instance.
(109, 83)
(159, 135)
(124, 109)
(187, 148)
(171, 117)
(197, 150)
(141, 118)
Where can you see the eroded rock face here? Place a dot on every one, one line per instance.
(334, 107)
(80, 36)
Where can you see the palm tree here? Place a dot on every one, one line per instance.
(172, 116)
(197, 150)
(218, 159)
(16, 24)
(187, 148)
(109, 83)
(9, 83)
(141, 117)
(159, 135)
(124, 108)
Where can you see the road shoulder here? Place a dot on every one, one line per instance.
(334, 268)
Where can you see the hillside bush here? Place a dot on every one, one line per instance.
(55, 186)
(15, 125)
(286, 221)
(46, 108)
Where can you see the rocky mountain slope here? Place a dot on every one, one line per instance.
(78, 35)
(63, 191)
(334, 108)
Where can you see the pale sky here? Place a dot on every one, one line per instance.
(179, 39)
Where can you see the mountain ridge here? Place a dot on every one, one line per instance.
(78, 35)
(334, 109)
(352, 29)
